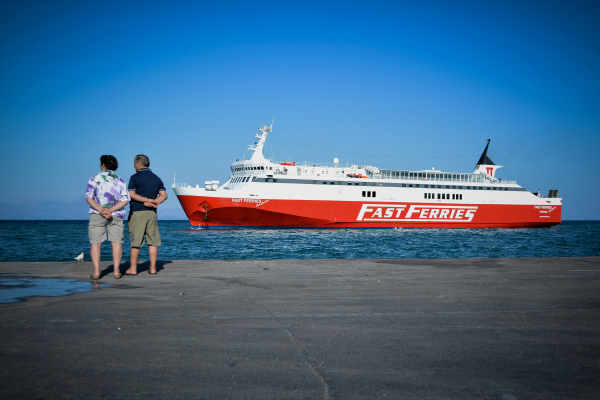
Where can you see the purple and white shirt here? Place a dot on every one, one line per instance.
(107, 189)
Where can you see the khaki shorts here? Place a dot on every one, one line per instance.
(143, 226)
(99, 225)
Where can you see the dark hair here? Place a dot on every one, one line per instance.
(142, 159)
(110, 162)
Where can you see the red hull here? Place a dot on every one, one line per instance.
(209, 212)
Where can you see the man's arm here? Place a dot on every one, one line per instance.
(148, 202)
(162, 196)
(139, 198)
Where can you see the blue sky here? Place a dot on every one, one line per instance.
(404, 85)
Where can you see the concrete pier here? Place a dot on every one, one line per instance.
(316, 329)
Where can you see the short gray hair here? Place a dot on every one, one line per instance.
(142, 159)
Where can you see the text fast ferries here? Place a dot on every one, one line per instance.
(264, 194)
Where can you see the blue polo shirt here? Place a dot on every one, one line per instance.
(147, 184)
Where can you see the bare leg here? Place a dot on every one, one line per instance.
(117, 253)
(96, 258)
(153, 252)
(135, 253)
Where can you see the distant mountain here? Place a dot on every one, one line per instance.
(65, 210)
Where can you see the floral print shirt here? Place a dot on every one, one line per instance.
(107, 189)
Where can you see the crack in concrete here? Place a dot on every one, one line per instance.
(313, 368)
(307, 359)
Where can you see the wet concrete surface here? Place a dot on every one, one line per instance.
(318, 329)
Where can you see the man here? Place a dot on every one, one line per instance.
(107, 196)
(147, 192)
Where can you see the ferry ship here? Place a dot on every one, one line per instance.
(262, 193)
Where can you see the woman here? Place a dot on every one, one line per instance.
(107, 196)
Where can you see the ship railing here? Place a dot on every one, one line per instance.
(307, 164)
(442, 177)
(180, 184)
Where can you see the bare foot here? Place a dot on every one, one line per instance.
(130, 272)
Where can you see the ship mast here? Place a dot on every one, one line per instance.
(257, 148)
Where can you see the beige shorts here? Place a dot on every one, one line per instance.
(99, 226)
(143, 227)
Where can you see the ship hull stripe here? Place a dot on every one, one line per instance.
(237, 213)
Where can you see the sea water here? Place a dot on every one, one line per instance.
(63, 240)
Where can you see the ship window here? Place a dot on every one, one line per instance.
(488, 188)
(453, 187)
(460, 187)
(368, 194)
(505, 188)
(349, 183)
(409, 185)
(314, 181)
(274, 180)
(357, 183)
(417, 185)
(381, 184)
(425, 195)
(460, 197)
(404, 185)
(324, 183)
(468, 187)
(438, 196)
(494, 188)
(453, 196)
(374, 194)
(439, 186)
(364, 194)
(332, 183)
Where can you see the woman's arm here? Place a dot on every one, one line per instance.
(103, 211)
(118, 206)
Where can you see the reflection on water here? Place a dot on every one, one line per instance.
(15, 289)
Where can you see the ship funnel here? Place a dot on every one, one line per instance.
(485, 165)
(336, 162)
